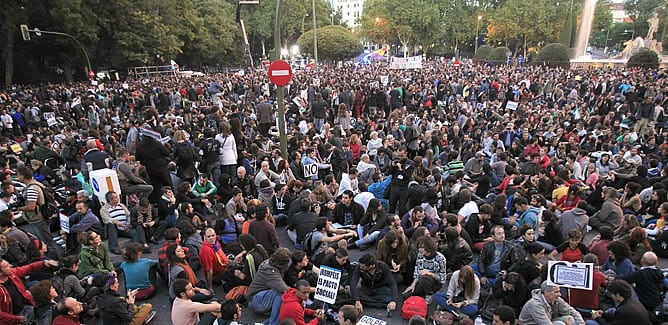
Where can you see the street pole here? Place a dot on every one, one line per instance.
(38, 32)
(315, 36)
(303, 19)
(280, 90)
(477, 33)
(605, 45)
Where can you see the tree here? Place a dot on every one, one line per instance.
(335, 43)
(520, 24)
(499, 55)
(643, 59)
(602, 24)
(411, 23)
(553, 55)
(483, 52)
(640, 10)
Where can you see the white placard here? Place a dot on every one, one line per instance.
(64, 223)
(411, 62)
(368, 320)
(310, 170)
(511, 105)
(316, 82)
(328, 284)
(570, 275)
(385, 80)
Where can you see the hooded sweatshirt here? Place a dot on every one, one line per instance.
(293, 307)
(573, 219)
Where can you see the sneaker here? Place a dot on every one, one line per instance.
(351, 244)
(428, 299)
(150, 317)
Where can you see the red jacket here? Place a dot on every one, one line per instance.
(66, 320)
(6, 316)
(293, 307)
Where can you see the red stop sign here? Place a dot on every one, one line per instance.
(280, 73)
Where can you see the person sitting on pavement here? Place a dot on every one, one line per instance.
(15, 311)
(116, 217)
(627, 310)
(463, 293)
(647, 281)
(139, 272)
(185, 311)
(377, 286)
(68, 310)
(547, 307)
(179, 268)
(81, 221)
(93, 255)
(430, 270)
(230, 313)
(496, 255)
(212, 258)
(264, 293)
(115, 309)
(292, 305)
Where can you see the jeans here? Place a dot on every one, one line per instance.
(374, 297)
(491, 279)
(368, 240)
(441, 298)
(41, 230)
(318, 123)
(113, 233)
(142, 190)
(267, 302)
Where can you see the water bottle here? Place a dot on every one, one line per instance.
(478, 320)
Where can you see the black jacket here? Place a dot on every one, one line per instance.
(508, 256)
(648, 282)
(381, 278)
(628, 312)
(115, 310)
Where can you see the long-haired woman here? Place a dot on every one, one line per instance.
(180, 269)
(393, 250)
(463, 293)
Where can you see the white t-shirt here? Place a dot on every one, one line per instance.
(468, 208)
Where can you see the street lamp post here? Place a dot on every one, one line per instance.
(605, 45)
(477, 33)
(303, 18)
(280, 90)
(315, 36)
(39, 32)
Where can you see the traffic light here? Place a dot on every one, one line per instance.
(25, 32)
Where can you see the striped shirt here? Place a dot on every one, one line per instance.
(118, 214)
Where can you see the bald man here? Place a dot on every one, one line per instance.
(94, 158)
(647, 281)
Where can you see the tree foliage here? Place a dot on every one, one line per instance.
(117, 34)
(644, 59)
(334, 43)
(553, 55)
(499, 55)
(483, 52)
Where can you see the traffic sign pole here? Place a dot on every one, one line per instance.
(280, 74)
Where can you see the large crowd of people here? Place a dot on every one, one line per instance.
(461, 182)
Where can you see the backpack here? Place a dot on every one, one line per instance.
(49, 208)
(58, 283)
(307, 244)
(414, 305)
(183, 153)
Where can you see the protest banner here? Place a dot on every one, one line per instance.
(570, 275)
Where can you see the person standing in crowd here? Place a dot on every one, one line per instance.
(38, 223)
(155, 157)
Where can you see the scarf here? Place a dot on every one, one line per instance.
(189, 272)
